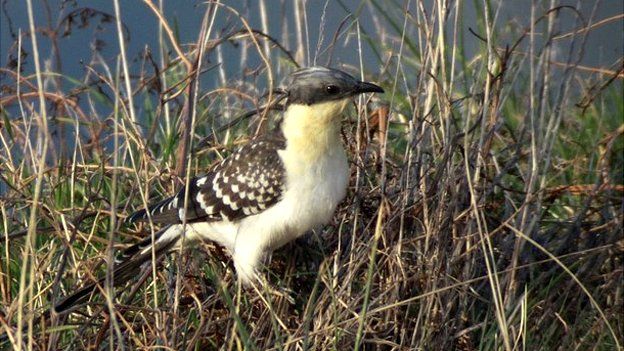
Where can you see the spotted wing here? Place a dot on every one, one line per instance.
(246, 183)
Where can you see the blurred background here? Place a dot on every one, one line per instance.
(486, 202)
(305, 28)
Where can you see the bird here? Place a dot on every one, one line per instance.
(265, 194)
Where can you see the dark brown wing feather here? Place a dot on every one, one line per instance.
(248, 182)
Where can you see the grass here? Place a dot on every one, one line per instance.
(484, 211)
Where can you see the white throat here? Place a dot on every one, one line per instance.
(312, 131)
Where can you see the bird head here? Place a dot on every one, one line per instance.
(317, 96)
(314, 85)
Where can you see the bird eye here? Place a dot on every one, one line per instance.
(332, 89)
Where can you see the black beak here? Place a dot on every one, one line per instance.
(366, 87)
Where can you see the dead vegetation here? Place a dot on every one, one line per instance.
(484, 212)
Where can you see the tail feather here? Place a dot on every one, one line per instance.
(165, 211)
(132, 259)
(137, 248)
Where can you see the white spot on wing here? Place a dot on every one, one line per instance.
(200, 199)
(201, 181)
(226, 199)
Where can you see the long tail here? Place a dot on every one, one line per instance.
(128, 265)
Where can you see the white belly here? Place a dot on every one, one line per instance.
(310, 200)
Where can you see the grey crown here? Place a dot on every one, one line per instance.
(313, 85)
